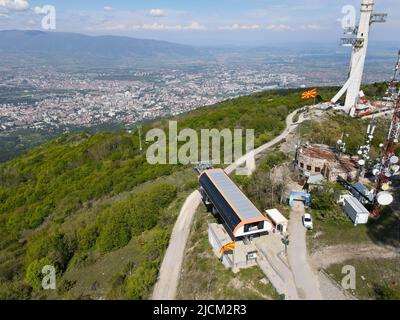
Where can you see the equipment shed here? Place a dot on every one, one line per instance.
(355, 210)
(278, 220)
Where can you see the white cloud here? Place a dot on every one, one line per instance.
(39, 10)
(108, 8)
(311, 27)
(157, 13)
(279, 27)
(118, 27)
(14, 4)
(156, 26)
(237, 26)
(274, 27)
(194, 26)
(153, 26)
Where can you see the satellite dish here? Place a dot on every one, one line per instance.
(394, 159)
(339, 141)
(375, 172)
(359, 152)
(395, 168)
(381, 145)
(384, 198)
(361, 162)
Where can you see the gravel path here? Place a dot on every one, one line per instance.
(305, 277)
(166, 285)
(330, 291)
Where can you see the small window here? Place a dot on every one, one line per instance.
(317, 169)
(302, 164)
(309, 168)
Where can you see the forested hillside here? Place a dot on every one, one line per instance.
(92, 206)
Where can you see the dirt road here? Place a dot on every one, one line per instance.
(166, 286)
(306, 279)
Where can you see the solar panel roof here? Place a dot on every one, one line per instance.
(238, 201)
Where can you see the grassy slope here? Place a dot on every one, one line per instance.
(375, 278)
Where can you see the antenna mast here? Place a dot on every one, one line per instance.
(388, 166)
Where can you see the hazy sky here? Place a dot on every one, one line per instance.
(203, 22)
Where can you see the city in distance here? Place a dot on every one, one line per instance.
(58, 82)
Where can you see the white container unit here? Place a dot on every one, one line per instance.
(355, 210)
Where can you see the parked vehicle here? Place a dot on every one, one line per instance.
(307, 221)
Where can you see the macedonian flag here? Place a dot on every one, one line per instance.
(309, 94)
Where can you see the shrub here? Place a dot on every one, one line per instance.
(34, 273)
(386, 293)
(15, 291)
(57, 247)
(115, 234)
(140, 283)
(87, 237)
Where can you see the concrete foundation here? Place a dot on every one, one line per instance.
(243, 256)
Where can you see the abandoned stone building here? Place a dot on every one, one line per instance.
(317, 159)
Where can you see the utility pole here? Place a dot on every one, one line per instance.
(140, 137)
(364, 150)
(285, 241)
(388, 163)
(342, 145)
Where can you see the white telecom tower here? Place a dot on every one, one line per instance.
(359, 41)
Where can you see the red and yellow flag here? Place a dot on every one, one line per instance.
(309, 94)
(228, 247)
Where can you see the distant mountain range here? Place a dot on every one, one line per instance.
(60, 45)
(22, 47)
